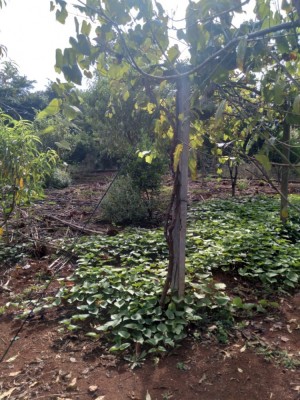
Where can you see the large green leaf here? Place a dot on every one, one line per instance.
(53, 108)
(264, 161)
(72, 73)
(71, 112)
(279, 93)
(173, 53)
(296, 105)
(61, 15)
(86, 28)
(241, 52)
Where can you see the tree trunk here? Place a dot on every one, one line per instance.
(285, 173)
(180, 202)
(175, 229)
(233, 171)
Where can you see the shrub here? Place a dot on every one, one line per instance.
(124, 203)
(23, 168)
(145, 176)
(59, 179)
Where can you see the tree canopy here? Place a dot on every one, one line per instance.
(17, 97)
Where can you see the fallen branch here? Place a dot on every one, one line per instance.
(73, 226)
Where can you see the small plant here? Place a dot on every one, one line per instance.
(242, 184)
(136, 360)
(11, 254)
(2, 310)
(182, 366)
(59, 179)
(280, 357)
(167, 395)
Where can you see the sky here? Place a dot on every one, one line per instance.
(31, 34)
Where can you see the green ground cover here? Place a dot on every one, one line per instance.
(117, 284)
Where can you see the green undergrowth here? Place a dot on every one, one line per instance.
(114, 292)
(245, 236)
(117, 286)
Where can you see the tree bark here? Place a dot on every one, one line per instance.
(175, 229)
(180, 202)
(285, 173)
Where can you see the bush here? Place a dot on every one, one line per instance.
(146, 177)
(124, 203)
(59, 179)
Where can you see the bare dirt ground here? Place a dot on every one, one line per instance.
(260, 361)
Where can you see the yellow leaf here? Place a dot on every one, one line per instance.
(1, 231)
(219, 171)
(21, 184)
(177, 154)
(150, 108)
(193, 168)
(148, 397)
(13, 374)
(149, 158)
(170, 133)
(126, 95)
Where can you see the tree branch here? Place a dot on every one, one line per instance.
(227, 47)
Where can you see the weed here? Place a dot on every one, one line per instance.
(167, 395)
(2, 310)
(136, 360)
(280, 357)
(242, 184)
(182, 366)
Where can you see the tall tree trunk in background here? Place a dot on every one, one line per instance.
(285, 172)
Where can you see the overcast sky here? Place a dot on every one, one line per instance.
(31, 34)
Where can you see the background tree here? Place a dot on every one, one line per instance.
(17, 97)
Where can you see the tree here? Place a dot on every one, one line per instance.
(134, 36)
(16, 96)
(22, 173)
(116, 127)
